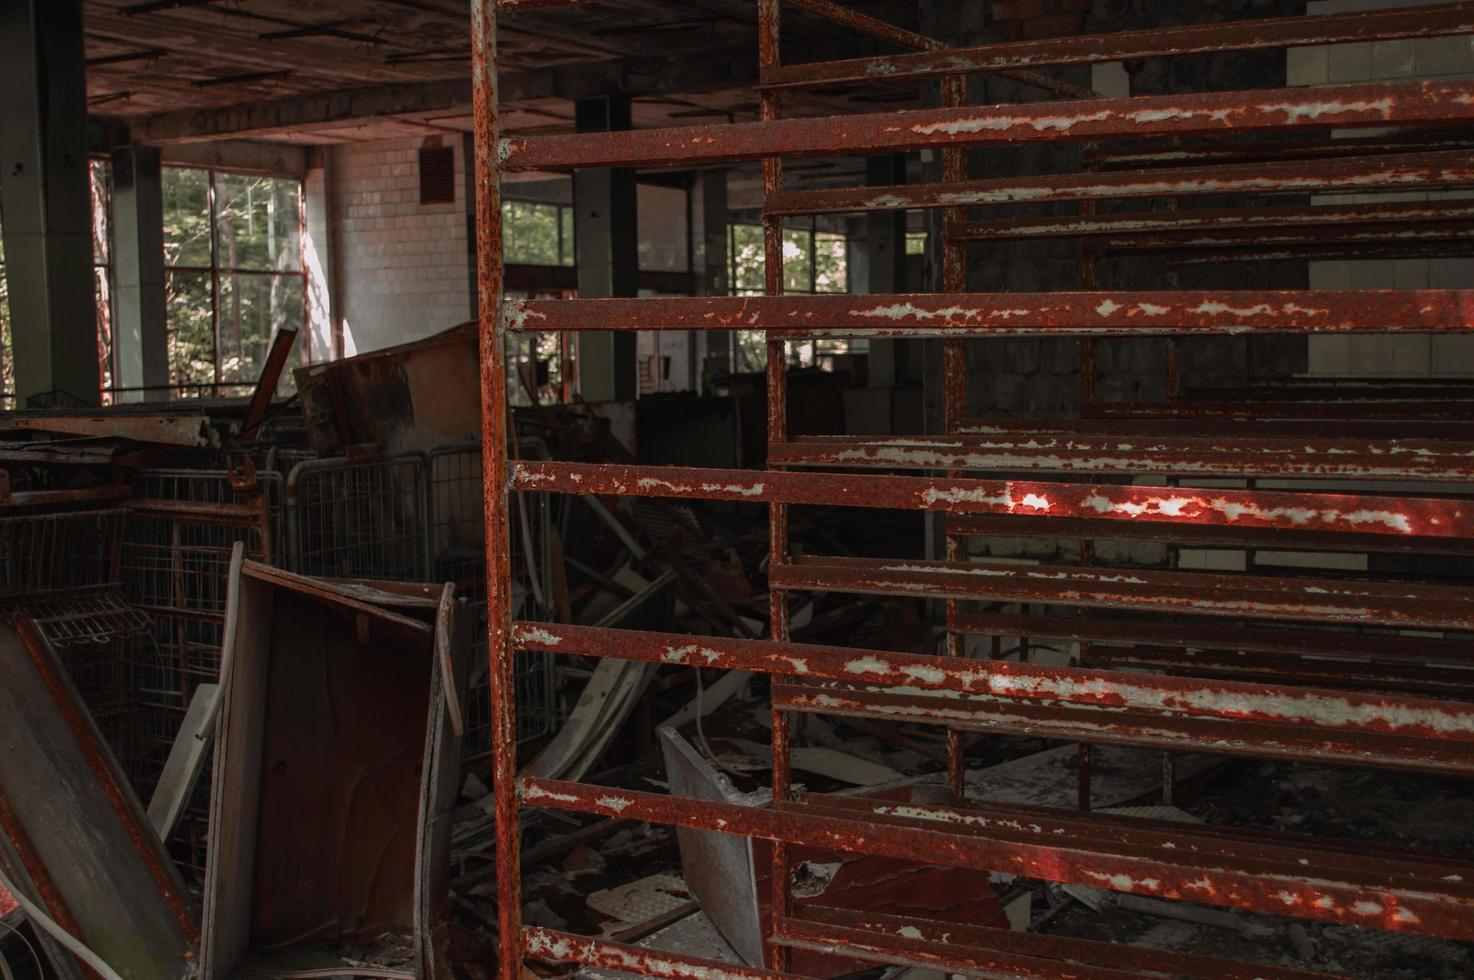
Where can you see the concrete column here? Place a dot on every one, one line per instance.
(885, 265)
(47, 200)
(140, 346)
(607, 236)
(716, 264)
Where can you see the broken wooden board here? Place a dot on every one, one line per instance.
(335, 771)
(186, 761)
(73, 838)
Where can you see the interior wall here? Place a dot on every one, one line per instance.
(1400, 355)
(402, 266)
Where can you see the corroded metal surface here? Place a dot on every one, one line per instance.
(1394, 890)
(1227, 594)
(1439, 170)
(1449, 461)
(1395, 516)
(1137, 708)
(1292, 665)
(1016, 314)
(1454, 18)
(1342, 106)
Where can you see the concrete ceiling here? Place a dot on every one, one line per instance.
(325, 71)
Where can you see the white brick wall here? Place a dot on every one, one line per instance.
(1404, 355)
(404, 267)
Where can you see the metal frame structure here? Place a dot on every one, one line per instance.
(1276, 705)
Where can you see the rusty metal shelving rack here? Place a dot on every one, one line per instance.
(1370, 885)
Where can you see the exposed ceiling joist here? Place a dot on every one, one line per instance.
(712, 71)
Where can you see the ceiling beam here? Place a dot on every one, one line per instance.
(712, 71)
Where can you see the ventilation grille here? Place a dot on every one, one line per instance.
(437, 175)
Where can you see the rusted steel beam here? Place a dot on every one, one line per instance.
(502, 665)
(1094, 157)
(553, 946)
(1441, 103)
(1342, 675)
(1305, 879)
(1244, 35)
(1420, 214)
(1441, 429)
(167, 430)
(1360, 409)
(1452, 236)
(902, 950)
(1071, 955)
(1383, 603)
(1345, 251)
(1199, 535)
(875, 27)
(1168, 730)
(1015, 314)
(1342, 645)
(1360, 727)
(1328, 513)
(1445, 170)
(1343, 458)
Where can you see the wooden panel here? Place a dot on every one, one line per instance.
(342, 746)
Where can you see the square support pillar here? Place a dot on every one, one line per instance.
(607, 237)
(885, 264)
(47, 200)
(140, 346)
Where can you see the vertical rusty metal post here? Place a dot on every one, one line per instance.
(494, 423)
(954, 386)
(769, 33)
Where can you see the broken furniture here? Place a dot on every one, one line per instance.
(336, 767)
(73, 838)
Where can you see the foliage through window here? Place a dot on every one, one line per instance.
(233, 276)
(813, 262)
(534, 233)
(100, 180)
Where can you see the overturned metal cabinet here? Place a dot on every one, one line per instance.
(336, 766)
(73, 838)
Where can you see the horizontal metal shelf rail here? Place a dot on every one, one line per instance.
(1283, 665)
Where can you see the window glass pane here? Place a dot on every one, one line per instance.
(256, 221)
(565, 215)
(747, 258)
(831, 263)
(530, 233)
(915, 243)
(190, 326)
(752, 350)
(252, 309)
(796, 264)
(186, 217)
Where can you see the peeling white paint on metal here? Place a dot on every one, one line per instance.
(535, 634)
